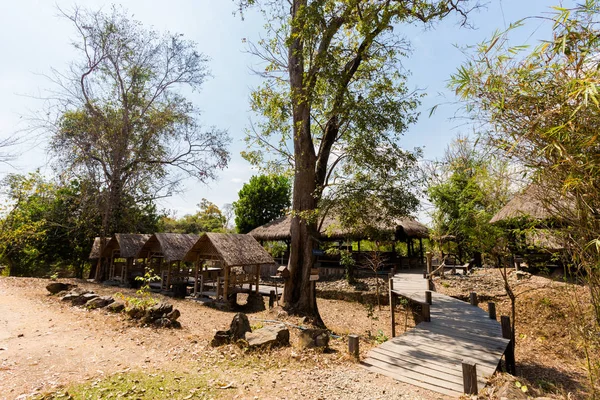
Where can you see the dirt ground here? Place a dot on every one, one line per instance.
(46, 344)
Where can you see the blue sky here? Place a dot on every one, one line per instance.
(34, 39)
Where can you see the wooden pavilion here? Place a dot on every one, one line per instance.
(240, 258)
(122, 252)
(165, 253)
(406, 230)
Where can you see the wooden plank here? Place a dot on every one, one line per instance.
(388, 370)
(435, 359)
(417, 372)
(454, 353)
(463, 335)
(459, 341)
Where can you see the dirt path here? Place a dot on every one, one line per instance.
(45, 344)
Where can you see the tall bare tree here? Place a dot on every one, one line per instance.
(119, 118)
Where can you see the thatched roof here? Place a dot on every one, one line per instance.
(128, 245)
(173, 246)
(535, 203)
(232, 249)
(279, 229)
(95, 253)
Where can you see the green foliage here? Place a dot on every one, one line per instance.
(381, 337)
(47, 226)
(261, 200)
(467, 188)
(208, 219)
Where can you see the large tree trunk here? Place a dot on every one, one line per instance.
(304, 202)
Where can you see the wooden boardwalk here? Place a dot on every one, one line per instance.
(430, 355)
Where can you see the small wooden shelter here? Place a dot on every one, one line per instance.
(240, 258)
(165, 253)
(536, 212)
(125, 246)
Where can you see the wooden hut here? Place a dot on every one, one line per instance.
(122, 250)
(240, 256)
(165, 253)
(536, 212)
(404, 229)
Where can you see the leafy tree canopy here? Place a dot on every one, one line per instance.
(261, 200)
(208, 219)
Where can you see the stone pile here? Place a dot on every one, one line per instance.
(161, 314)
(268, 336)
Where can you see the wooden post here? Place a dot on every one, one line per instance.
(429, 266)
(353, 348)
(271, 299)
(428, 297)
(509, 353)
(392, 304)
(473, 298)
(492, 310)
(196, 279)
(469, 370)
(425, 312)
(430, 285)
(257, 279)
(226, 284)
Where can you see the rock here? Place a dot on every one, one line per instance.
(523, 275)
(237, 330)
(158, 311)
(116, 306)
(70, 296)
(136, 312)
(99, 302)
(310, 338)
(56, 287)
(221, 338)
(83, 299)
(174, 315)
(239, 326)
(163, 322)
(269, 336)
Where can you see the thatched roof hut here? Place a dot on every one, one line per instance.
(172, 246)
(128, 245)
(536, 203)
(95, 253)
(232, 249)
(279, 229)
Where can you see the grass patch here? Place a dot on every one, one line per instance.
(140, 385)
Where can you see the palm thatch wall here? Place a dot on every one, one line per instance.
(172, 246)
(279, 229)
(234, 250)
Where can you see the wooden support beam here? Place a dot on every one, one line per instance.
(469, 370)
(429, 262)
(353, 346)
(271, 299)
(428, 299)
(473, 298)
(492, 310)
(509, 353)
(392, 304)
(425, 312)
